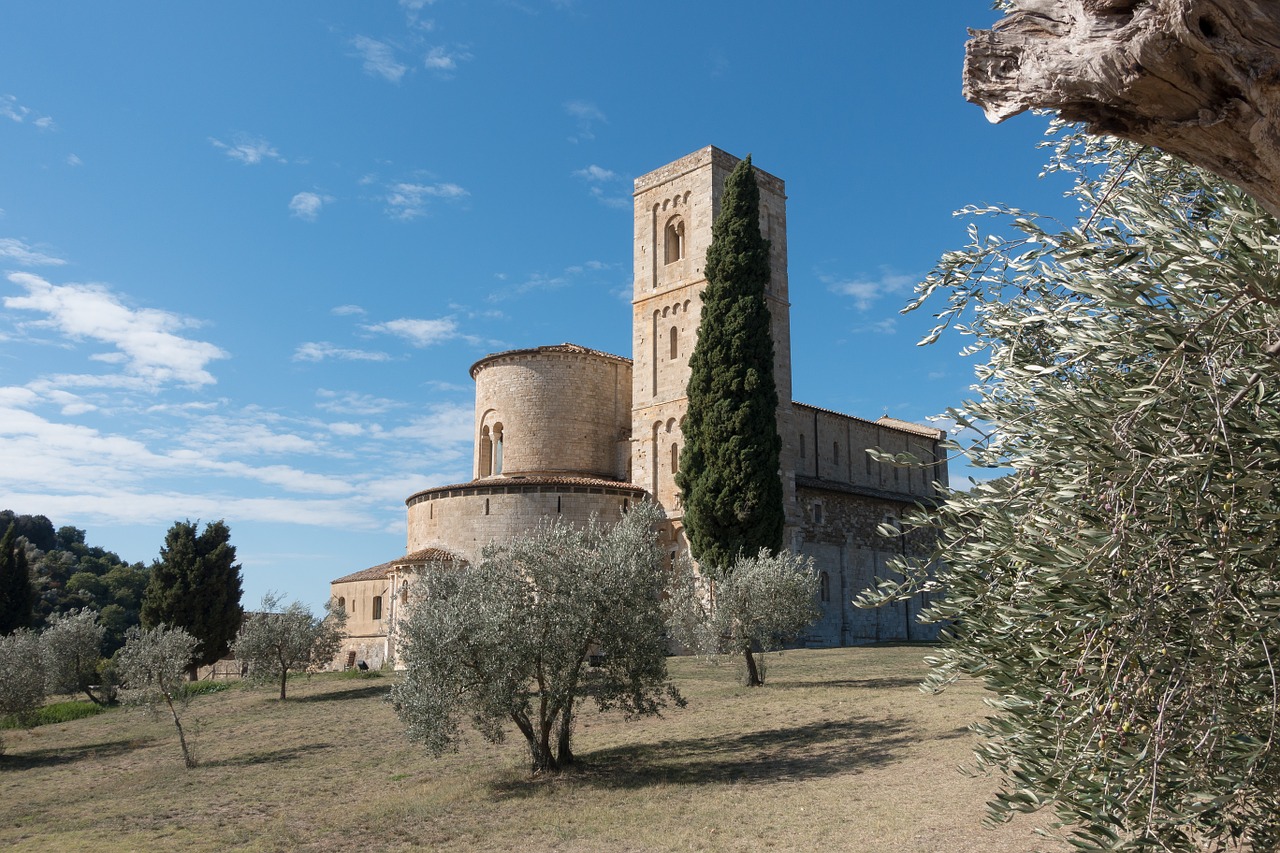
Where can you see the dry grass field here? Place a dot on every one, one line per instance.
(840, 751)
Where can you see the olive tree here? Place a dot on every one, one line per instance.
(21, 675)
(153, 664)
(511, 639)
(279, 639)
(760, 604)
(1118, 588)
(71, 649)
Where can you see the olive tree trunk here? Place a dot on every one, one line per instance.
(1197, 78)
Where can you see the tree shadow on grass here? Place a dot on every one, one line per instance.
(66, 755)
(797, 753)
(357, 693)
(274, 756)
(863, 683)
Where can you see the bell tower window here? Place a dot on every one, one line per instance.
(497, 448)
(673, 239)
(486, 453)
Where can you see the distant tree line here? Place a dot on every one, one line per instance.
(66, 574)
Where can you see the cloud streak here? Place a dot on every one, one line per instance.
(419, 333)
(145, 341)
(323, 350)
(379, 59)
(307, 205)
(587, 115)
(867, 290)
(407, 200)
(249, 150)
(21, 253)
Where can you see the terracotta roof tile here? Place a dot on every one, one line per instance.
(383, 570)
(516, 481)
(884, 421)
(565, 347)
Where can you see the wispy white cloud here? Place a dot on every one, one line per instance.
(321, 350)
(347, 310)
(418, 332)
(250, 150)
(540, 281)
(866, 290)
(22, 253)
(600, 182)
(416, 5)
(354, 403)
(409, 200)
(883, 326)
(307, 205)
(587, 115)
(73, 160)
(596, 174)
(14, 111)
(443, 60)
(379, 58)
(154, 353)
(346, 429)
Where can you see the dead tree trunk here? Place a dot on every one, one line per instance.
(1197, 78)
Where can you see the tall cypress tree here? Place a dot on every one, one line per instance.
(16, 594)
(196, 586)
(729, 467)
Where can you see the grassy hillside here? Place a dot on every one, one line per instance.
(839, 751)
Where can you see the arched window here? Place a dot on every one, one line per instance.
(673, 239)
(377, 607)
(675, 343)
(486, 452)
(404, 592)
(342, 603)
(675, 457)
(817, 512)
(497, 448)
(824, 587)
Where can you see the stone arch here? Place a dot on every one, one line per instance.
(485, 452)
(673, 239)
(498, 438)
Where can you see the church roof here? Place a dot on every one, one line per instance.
(884, 421)
(526, 483)
(383, 570)
(555, 348)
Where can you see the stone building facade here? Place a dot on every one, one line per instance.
(565, 431)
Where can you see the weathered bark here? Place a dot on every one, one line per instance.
(753, 672)
(1197, 78)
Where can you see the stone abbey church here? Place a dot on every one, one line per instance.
(564, 431)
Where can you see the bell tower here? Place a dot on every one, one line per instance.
(674, 209)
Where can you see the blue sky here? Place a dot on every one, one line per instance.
(248, 250)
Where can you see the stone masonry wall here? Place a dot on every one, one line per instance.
(561, 410)
(839, 532)
(464, 519)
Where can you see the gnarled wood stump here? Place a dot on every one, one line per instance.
(1198, 78)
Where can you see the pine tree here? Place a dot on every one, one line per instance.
(729, 467)
(16, 595)
(195, 585)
